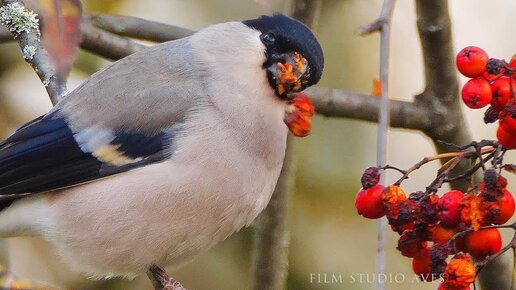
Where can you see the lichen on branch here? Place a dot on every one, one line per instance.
(19, 19)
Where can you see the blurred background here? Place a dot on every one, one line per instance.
(327, 235)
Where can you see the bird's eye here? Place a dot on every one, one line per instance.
(268, 38)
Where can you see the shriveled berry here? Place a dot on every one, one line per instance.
(483, 243)
(369, 202)
(473, 210)
(494, 66)
(472, 61)
(448, 208)
(370, 177)
(459, 273)
(490, 179)
(491, 115)
(477, 93)
(438, 255)
(410, 245)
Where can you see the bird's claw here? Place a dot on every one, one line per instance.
(161, 280)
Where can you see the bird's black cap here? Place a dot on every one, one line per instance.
(292, 35)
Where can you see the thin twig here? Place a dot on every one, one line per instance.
(138, 28)
(343, 104)
(424, 161)
(33, 51)
(382, 24)
(107, 44)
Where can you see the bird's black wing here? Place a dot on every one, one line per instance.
(46, 154)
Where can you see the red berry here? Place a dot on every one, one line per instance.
(471, 61)
(442, 234)
(483, 243)
(507, 206)
(448, 208)
(477, 93)
(507, 118)
(369, 202)
(501, 89)
(421, 265)
(506, 139)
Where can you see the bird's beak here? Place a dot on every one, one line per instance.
(290, 73)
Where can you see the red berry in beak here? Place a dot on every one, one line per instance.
(298, 115)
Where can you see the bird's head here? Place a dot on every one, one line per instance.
(294, 61)
(294, 57)
(267, 56)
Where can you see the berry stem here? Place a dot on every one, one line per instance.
(465, 152)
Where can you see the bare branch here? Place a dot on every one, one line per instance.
(383, 20)
(272, 234)
(138, 28)
(441, 97)
(28, 36)
(442, 87)
(107, 44)
(338, 103)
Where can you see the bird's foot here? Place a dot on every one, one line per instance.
(161, 280)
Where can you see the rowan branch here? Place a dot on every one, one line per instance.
(22, 24)
(106, 44)
(441, 94)
(138, 28)
(441, 97)
(271, 236)
(339, 103)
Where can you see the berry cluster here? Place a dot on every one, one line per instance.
(493, 82)
(443, 233)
